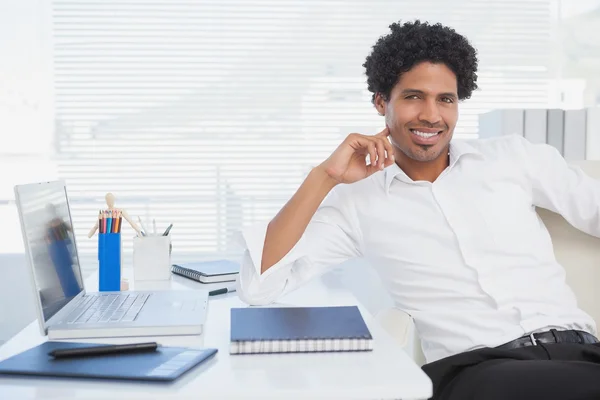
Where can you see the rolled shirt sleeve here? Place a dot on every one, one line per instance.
(331, 237)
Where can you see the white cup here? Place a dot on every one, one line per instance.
(151, 258)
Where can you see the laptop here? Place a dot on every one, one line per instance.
(65, 310)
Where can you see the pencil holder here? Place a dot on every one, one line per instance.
(109, 260)
(151, 258)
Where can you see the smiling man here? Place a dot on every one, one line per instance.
(451, 228)
(421, 112)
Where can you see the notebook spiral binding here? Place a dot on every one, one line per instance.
(186, 272)
(300, 346)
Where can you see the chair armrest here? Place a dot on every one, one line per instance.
(400, 326)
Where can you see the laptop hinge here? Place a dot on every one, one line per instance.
(65, 311)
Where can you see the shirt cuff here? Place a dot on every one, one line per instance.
(253, 239)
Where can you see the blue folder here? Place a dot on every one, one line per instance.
(166, 364)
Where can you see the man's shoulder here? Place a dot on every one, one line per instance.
(508, 146)
(496, 143)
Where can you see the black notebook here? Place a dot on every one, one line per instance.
(208, 271)
(298, 330)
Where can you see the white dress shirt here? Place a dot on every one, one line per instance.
(466, 256)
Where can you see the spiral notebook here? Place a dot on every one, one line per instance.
(208, 271)
(298, 330)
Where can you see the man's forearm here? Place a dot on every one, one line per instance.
(288, 226)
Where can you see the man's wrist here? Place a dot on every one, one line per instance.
(322, 178)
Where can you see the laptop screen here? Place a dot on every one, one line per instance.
(48, 232)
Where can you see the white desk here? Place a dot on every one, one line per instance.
(385, 373)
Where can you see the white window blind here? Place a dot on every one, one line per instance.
(208, 114)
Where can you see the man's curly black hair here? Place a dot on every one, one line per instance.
(413, 42)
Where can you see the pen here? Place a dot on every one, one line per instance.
(143, 227)
(104, 350)
(167, 230)
(221, 291)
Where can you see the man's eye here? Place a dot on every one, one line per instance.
(412, 97)
(447, 100)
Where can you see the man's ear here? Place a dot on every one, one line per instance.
(380, 103)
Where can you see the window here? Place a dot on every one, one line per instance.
(208, 114)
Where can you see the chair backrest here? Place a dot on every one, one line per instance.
(578, 253)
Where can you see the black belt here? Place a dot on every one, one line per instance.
(551, 336)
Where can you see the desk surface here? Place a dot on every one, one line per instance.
(385, 373)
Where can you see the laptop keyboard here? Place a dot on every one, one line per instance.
(107, 308)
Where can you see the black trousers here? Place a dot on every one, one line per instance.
(565, 371)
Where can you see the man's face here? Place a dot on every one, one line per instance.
(422, 111)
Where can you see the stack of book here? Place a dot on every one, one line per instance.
(574, 133)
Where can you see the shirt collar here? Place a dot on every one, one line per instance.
(458, 148)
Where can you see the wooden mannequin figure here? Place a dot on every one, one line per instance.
(110, 202)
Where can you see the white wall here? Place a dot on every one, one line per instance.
(26, 106)
(16, 298)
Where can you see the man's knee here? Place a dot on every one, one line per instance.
(528, 379)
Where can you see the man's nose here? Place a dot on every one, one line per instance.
(430, 113)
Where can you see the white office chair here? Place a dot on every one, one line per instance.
(576, 251)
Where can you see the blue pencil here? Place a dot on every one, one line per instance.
(109, 224)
